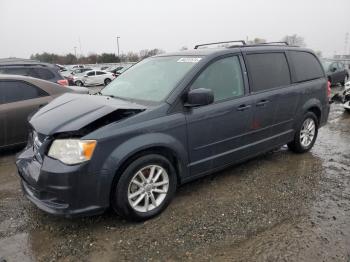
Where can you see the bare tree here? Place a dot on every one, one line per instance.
(256, 40)
(319, 53)
(294, 40)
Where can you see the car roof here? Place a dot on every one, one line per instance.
(22, 62)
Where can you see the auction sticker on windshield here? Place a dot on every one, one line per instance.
(189, 60)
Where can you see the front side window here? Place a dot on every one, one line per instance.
(100, 73)
(92, 73)
(152, 79)
(267, 71)
(14, 91)
(223, 77)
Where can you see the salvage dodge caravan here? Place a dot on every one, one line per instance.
(167, 120)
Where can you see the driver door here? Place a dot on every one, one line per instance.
(218, 133)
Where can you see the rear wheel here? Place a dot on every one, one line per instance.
(145, 188)
(107, 81)
(306, 134)
(79, 83)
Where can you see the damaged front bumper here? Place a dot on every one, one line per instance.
(60, 189)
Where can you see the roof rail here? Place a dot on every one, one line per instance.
(273, 43)
(224, 42)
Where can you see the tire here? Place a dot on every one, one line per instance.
(126, 192)
(297, 144)
(79, 83)
(107, 81)
(343, 82)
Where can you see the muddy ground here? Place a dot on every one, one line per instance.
(277, 207)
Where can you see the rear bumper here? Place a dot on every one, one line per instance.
(61, 189)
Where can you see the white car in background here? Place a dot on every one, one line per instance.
(93, 78)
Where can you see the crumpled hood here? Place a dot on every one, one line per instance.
(72, 112)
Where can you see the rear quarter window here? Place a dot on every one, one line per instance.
(267, 71)
(306, 66)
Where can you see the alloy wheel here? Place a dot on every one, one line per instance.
(307, 132)
(148, 188)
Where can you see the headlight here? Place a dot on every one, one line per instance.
(72, 151)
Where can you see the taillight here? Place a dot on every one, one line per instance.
(329, 89)
(63, 82)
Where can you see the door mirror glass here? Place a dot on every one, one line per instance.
(199, 97)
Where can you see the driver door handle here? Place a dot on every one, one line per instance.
(243, 107)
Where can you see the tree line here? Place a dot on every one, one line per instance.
(93, 58)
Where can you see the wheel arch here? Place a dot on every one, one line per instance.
(317, 111)
(134, 148)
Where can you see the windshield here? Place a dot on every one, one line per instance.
(150, 80)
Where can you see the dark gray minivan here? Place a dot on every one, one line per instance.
(167, 120)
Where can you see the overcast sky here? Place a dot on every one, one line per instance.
(35, 26)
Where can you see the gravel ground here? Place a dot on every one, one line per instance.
(277, 207)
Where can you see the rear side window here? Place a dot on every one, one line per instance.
(306, 66)
(100, 73)
(44, 73)
(15, 71)
(267, 71)
(14, 91)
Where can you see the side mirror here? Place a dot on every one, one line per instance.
(86, 76)
(199, 97)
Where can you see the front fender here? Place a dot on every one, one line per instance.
(143, 142)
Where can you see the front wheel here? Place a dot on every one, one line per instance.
(306, 134)
(79, 83)
(107, 81)
(145, 188)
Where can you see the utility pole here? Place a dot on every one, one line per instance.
(346, 43)
(75, 51)
(118, 45)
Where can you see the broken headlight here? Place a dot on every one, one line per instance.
(72, 151)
